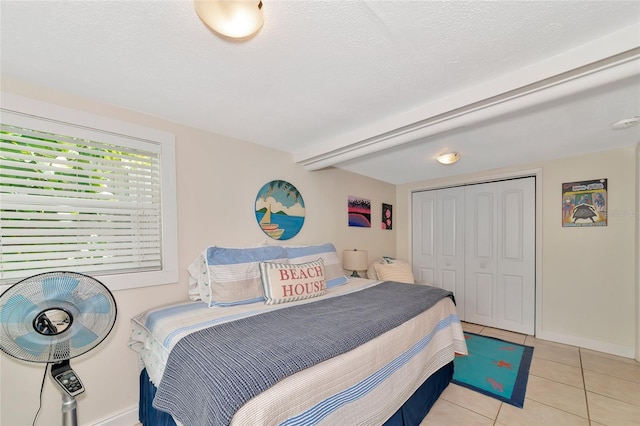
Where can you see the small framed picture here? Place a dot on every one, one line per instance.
(359, 210)
(387, 216)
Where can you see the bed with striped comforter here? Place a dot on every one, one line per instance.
(364, 385)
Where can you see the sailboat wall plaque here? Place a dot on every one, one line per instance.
(280, 210)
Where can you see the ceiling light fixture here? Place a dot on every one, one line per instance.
(234, 19)
(625, 123)
(448, 158)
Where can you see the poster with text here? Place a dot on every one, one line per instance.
(584, 203)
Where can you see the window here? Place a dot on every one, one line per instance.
(83, 193)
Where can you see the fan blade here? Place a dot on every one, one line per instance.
(32, 343)
(59, 288)
(96, 304)
(16, 309)
(82, 336)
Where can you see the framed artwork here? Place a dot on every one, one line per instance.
(280, 210)
(387, 216)
(584, 203)
(359, 210)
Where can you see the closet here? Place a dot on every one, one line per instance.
(478, 241)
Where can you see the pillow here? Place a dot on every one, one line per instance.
(231, 276)
(286, 282)
(327, 252)
(400, 272)
(371, 272)
(198, 277)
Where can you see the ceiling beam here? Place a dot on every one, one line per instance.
(605, 60)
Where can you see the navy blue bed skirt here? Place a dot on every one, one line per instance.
(418, 405)
(410, 414)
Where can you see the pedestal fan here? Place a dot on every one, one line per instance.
(53, 317)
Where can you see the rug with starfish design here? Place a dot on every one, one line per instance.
(494, 367)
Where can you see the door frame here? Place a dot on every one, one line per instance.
(466, 180)
(638, 253)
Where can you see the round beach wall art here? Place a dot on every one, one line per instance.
(280, 210)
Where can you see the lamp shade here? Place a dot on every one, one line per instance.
(236, 19)
(355, 260)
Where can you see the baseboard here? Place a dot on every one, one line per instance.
(609, 348)
(126, 418)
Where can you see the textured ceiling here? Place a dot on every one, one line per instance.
(374, 87)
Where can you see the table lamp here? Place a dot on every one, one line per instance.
(355, 260)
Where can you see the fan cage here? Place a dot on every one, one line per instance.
(89, 303)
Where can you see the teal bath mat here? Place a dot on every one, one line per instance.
(494, 367)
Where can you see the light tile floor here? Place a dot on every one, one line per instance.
(567, 386)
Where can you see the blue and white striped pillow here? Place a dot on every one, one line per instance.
(232, 275)
(286, 282)
(327, 252)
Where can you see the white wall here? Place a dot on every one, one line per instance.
(589, 273)
(588, 280)
(217, 182)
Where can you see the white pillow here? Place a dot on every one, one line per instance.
(400, 272)
(371, 272)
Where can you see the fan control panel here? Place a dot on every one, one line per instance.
(68, 381)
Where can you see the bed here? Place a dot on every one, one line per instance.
(325, 350)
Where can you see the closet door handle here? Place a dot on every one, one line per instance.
(482, 265)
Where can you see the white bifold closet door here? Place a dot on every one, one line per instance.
(438, 240)
(500, 255)
(479, 242)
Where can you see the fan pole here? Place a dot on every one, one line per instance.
(69, 414)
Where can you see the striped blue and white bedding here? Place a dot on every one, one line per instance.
(363, 386)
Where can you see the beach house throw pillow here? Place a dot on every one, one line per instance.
(284, 282)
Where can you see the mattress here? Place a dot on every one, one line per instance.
(363, 386)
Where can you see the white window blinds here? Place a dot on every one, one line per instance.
(69, 203)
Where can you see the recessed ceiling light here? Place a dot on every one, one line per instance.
(448, 158)
(625, 123)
